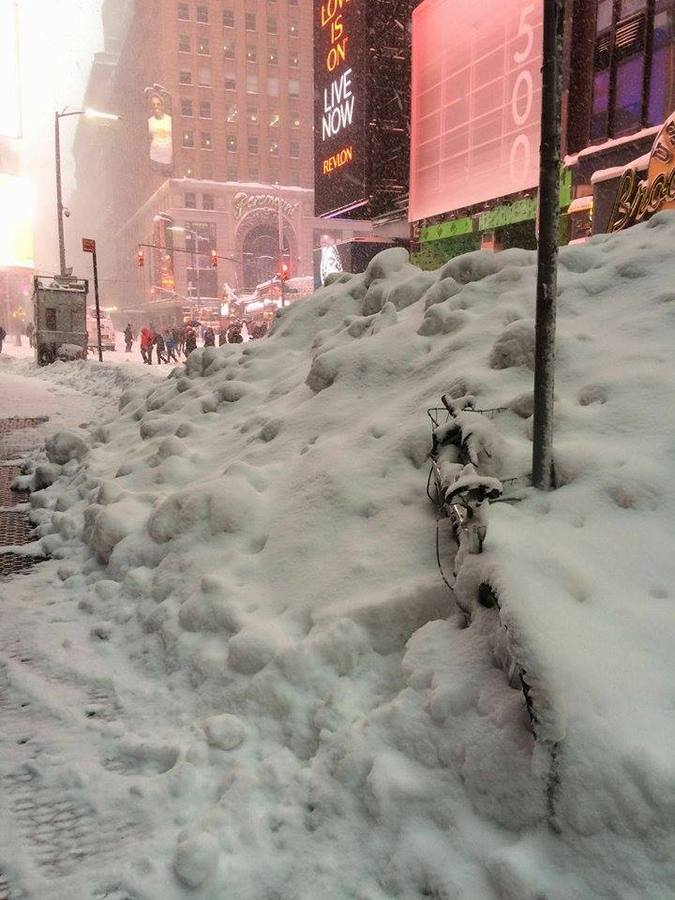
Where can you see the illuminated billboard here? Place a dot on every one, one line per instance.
(10, 108)
(340, 73)
(476, 103)
(16, 221)
(160, 128)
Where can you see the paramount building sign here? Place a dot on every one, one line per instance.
(637, 199)
(243, 203)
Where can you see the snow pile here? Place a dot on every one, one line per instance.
(254, 532)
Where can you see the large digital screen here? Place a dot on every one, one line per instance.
(16, 221)
(476, 102)
(10, 107)
(340, 71)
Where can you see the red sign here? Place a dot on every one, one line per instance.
(88, 245)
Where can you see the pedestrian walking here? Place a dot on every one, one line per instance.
(209, 337)
(234, 334)
(30, 334)
(146, 345)
(160, 347)
(222, 336)
(3, 335)
(190, 341)
(170, 342)
(180, 339)
(128, 338)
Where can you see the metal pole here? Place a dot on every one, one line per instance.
(280, 226)
(98, 308)
(549, 211)
(59, 198)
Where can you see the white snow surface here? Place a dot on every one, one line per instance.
(248, 549)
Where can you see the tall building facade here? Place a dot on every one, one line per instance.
(213, 156)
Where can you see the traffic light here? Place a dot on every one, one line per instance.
(140, 257)
(283, 272)
(214, 259)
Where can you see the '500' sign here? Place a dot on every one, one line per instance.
(525, 58)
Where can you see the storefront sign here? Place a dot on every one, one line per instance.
(637, 199)
(340, 103)
(244, 203)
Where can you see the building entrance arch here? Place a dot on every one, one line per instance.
(261, 256)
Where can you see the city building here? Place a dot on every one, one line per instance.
(16, 201)
(209, 173)
(476, 116)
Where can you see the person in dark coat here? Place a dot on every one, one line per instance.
(160, 346)
(190, 341)
(222, 336)
(209, 337)
(128, 337)
(30, 332)
(3, 335)
(234, 334)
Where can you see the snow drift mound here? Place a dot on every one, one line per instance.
(264, 512)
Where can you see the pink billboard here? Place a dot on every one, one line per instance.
(476, 102)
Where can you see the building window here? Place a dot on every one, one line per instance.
(274, 118)
(183, 43)
(204, 109)
(183, 11)
(202, 14)
(294, 152)
(232, 174)
(627, 92)
(293, 59)
(271, 26)
(252, 115)
(253, 173)
(207, 171)
(251, 84)
(208, 201)
(294, 118)
(293, 29)
(228, 18)
(251, 54)
(293, 87)
(190, 200)
(185, 78)
(203, 47)
(272, 56)
(231, 143)
(252, 144)
(295, 178)
(228, 49)
(185, 106)
(231, 113)
(204, 76)
(274, 148)
(250, 22)
(206, 143)
(230, 81)
(292, 2)
(273, 87)
(189, 172)
(188, 138)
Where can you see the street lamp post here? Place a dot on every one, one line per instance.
(90, 114)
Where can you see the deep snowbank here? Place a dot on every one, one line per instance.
(260, 521)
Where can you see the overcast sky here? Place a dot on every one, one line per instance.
(58, 41)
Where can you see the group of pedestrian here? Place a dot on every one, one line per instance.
(166, 343)
(171, 343)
